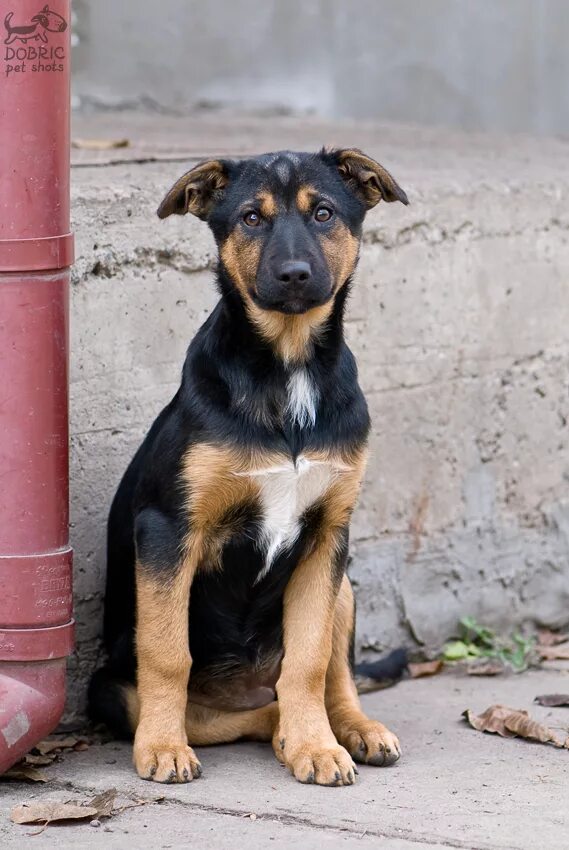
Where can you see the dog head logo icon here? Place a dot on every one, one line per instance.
(36, 28)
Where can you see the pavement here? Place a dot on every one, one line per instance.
(453, 788)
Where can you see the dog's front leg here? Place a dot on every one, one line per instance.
(163, 582)
(304, 740)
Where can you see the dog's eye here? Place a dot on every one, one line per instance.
(323, 214)
(252, 219)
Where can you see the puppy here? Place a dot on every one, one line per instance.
(228, 612)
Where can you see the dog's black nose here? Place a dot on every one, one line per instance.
(295, 271)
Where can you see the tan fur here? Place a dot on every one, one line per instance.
(368, 179)
(206, 726)
(304, 740)
(305, 198)
(240, 255)
(366, 740)
(291, 336)
(164, 662)
(196, 191)
(341, 250)
(215, 483)
(267, 204)
(210, 726)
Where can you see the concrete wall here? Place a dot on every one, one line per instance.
(500, 65)
(459, 321)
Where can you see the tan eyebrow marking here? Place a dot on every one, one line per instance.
(267, 204)
(305, 198)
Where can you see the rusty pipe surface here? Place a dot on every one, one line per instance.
(36, 251)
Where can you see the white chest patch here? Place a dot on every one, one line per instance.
(302, 398)
(286, 492)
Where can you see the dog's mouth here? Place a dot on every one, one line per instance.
(293, 306)
(291, 303)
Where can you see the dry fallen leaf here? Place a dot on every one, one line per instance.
(425, 668)
(23, 772)
(49, 745)
(53, 811)
(99, 144)
(40, 760)
(554, 653)
(553, 700)
(511, 723)
(545, 637)
(486, 667)
(104, 803)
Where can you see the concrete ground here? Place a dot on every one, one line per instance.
(453, 788)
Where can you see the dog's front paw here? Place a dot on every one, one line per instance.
(370, 742)
(165, 761)
(325, 764)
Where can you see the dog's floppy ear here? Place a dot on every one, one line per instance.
(366, 178)
(197, 191)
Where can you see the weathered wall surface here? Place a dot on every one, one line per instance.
(500, 65)
(458, 318)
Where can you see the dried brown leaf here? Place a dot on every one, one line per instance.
(24, 773)
(511, 723)
(545, 637)
(50, 745)
(553, 700)
(52, 811)
(104, 803)
(99, 144)
(554, 653)
(40, 760)
(486, 667)
(425, 668)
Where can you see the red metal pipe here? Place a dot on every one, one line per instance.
(36, 250)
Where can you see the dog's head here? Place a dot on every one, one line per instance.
(50, 21)
(288, 225)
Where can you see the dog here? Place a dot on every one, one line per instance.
(44, 21)
(228, 611)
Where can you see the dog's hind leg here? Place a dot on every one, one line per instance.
(205, 725)
(367, 741)
(209, 726)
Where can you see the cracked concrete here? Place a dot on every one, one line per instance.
(453, 788)
(458, 317)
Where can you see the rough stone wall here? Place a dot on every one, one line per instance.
(459, 321)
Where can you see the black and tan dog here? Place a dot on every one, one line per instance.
(227, 601)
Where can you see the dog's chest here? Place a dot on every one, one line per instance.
(286, 491)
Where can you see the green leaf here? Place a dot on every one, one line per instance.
(474, 631)
(455, 651)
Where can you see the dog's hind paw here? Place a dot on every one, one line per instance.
(370, 742)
